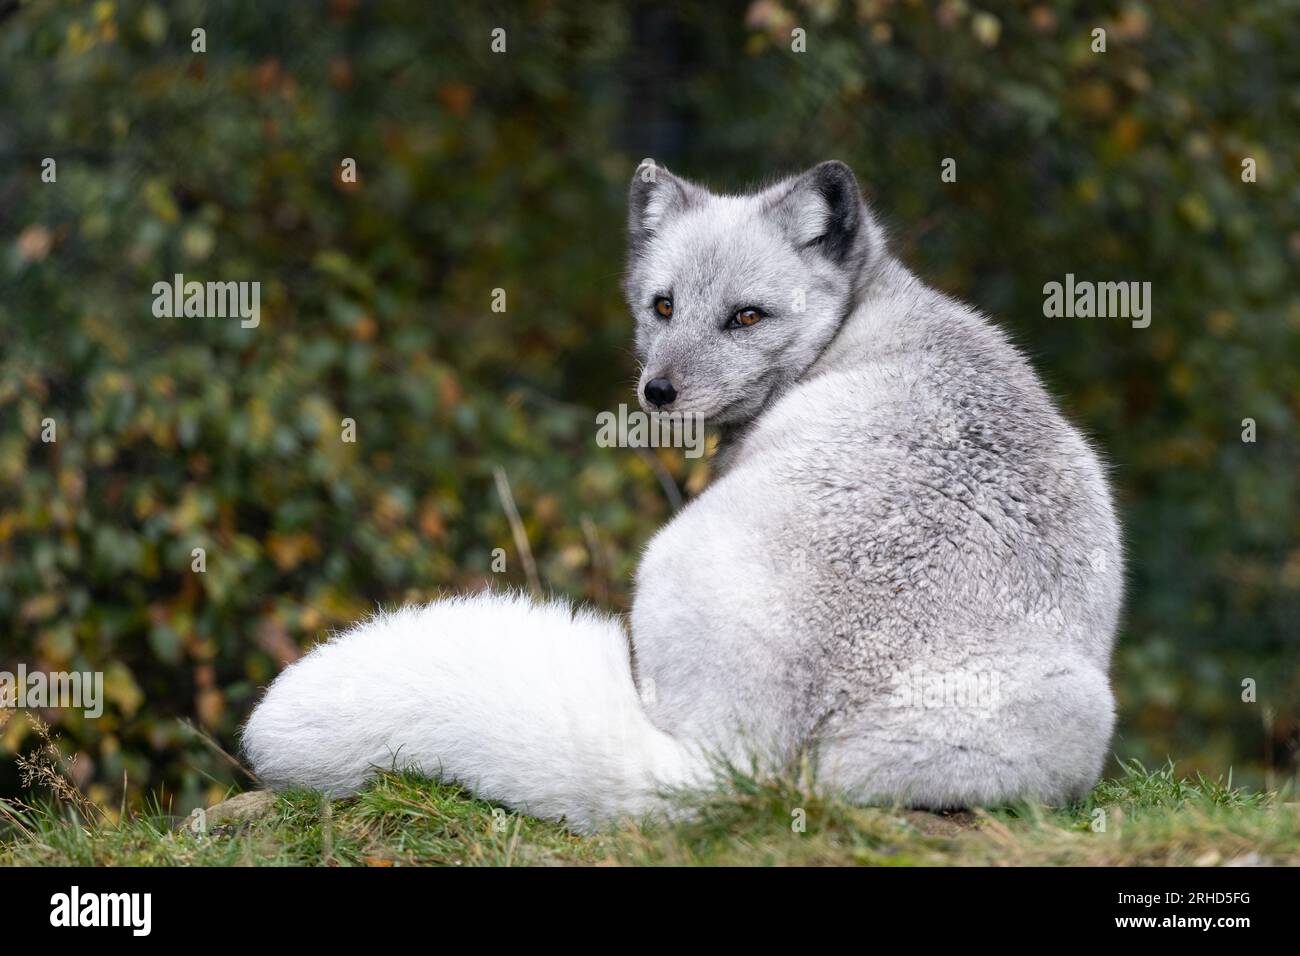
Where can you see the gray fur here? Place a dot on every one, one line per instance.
(899, 497)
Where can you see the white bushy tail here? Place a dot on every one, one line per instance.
(532, 705)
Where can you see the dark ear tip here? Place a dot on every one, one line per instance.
(838, 165)
(639, 179)
(835, 171)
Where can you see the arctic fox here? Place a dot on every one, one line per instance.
(908, 570)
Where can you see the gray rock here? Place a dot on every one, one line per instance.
(238, 811)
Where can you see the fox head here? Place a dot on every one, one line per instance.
(735, 297)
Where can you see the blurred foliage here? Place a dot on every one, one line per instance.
(480, 171)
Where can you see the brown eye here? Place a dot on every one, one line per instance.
(745, 317)
(664, 307)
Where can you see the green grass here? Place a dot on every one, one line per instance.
(1151, 818)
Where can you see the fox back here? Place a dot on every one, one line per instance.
(911, 557)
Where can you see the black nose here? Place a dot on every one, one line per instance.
(660, 391)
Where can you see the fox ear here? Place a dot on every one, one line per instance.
(655, 196)
(821, 209)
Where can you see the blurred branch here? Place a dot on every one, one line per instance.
(598, 564)
(517, 529)
(665, 477)
(207, 738)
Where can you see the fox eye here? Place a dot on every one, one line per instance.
(664, 306)
(744, 318)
